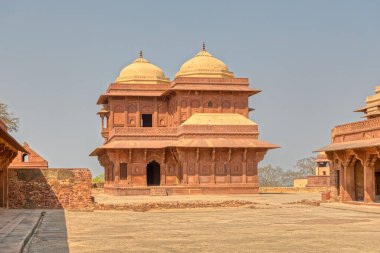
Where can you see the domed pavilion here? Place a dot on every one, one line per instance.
(191, 135)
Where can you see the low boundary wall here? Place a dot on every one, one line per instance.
(50, 188)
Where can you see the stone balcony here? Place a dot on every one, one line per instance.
(143, 131)
(361, 130)
(174, 132)
(218, 130)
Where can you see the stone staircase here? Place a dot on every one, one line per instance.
(158, 191)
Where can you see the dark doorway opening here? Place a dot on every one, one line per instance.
(153, 173)
(377, 183)
(146, 120)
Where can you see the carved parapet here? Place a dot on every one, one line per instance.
(143, 132)
(361, 130)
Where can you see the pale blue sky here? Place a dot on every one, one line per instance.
(315, 61)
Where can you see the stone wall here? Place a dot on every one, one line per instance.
(50, 188)
(300, 182)
(292, 189)
(318, 181)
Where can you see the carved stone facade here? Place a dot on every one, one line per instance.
(355, 156)
(191, 135)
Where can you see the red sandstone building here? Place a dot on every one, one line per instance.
(191, 135)
(28, 159)
(355, 156)
(9, 148)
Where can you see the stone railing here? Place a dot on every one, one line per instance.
(145, 131)
(355, 127)
(174, 131)
(199, 129)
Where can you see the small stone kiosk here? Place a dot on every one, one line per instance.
(354, 156)
(192, 135)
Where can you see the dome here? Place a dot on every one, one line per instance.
(142, 71)
(322, 157)
(204, 64)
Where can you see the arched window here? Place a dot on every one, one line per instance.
(25, 158)
(209, 104)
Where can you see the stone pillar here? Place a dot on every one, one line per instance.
(179, 116)
(197, 164)
(244, 164)
(213, 180)
(110, 121)
(228, 172)
(220, 102)
(138, 114)
(196, 180)
(155, 114)
(369, 184)
(188, 107)
(163, 174)
(117, 169)
(244, 176)
(201, 109)
(185, 171)
(349, 183)
(341, 182)
(233, 103)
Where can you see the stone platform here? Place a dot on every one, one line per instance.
(181, 190)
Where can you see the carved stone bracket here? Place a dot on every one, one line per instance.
(260, 156)
(371, 160)
(360, 155)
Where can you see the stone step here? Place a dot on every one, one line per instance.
(158, 192)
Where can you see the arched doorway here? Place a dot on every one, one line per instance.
(359, 181)
(153, 175)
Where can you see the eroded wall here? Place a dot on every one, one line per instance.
(50, 188)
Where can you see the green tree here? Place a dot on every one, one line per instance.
(9, 119)
(98, 179)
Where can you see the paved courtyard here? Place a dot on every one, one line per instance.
(271, 225)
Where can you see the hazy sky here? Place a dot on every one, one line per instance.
(315, 61)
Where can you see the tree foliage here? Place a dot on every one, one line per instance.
(306, 166)
(9, 119)
(98, 179)
(270, 176)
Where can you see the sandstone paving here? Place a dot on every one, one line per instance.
(102, 198)
(16, 227)
(271, 225)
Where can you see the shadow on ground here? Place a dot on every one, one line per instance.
(51, 234)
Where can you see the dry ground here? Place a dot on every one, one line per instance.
(272, 225)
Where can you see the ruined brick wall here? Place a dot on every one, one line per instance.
(50, 188)
(318, 181)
